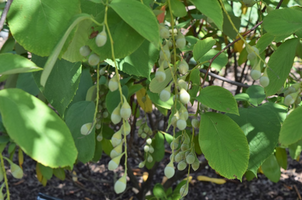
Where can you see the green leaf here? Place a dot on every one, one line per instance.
(13, 64)
(295, 150)
(291, 129)
(27, 83)
(224, 145)
(107, 146)
(139, 17)
(98, 152)
(283, 21)
(84, 85)
(281, 156)
(157, 87)
(211, 9)
(242, 97)
(264, 41)
(202, 47)
(141, 62)
(77, 115)
(256, 94)
(271, 169)
(178, 8)
(62, 83)
(46, 171)
(218, 63)
(37, 129)
(218, 98)
(113, 98)
(227, 26)
(159, 191)
(38, 25)
(261, 125)
(280, 64)
(59, 173)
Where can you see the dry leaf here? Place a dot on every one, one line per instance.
(213, 180)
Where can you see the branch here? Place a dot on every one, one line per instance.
(4, 14)
(224, 79)
(230, 44)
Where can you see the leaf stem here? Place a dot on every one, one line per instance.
(5, 177)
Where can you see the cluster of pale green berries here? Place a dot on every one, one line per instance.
(292, 94)
(144, 130)
(256, 70)
(148, 149)
(100, 41)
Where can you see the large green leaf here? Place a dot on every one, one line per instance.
(227, 26)
(280, 64)
(139, 17)
(256, 94)
(291, 130)
(77, 115)
(202, 47)
(62, 83)
(261, 125)
(27, 83)
(224, 145)
(212, 9)
(39, 25)
(37, 129)
(264, 41)
(219, 99)
(271, 168)
(140, 62)
(13, 64)
(283, 21)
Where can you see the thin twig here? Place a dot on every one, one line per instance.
(4, 13)
(230, 44)
(297, 191)
(224, 79)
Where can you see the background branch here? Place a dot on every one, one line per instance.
(4, 14)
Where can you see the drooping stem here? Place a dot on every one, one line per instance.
(5, 177)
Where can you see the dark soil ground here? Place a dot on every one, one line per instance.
(95, 182)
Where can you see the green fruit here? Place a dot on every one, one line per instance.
(181, 124)
(252, 52)
(125, 111)
(181, 165)
(180, 40)
(85, 51)
(93, 59)
(180, 156)
(120, 185)
(164, 95)
(116, 138)
(169, 170)
(99, 138)
(160, 75)
(149, 141)
(126, 128)
(149, 159)
(164, 31)
(113, 83)
(183, 190)
(115, 116)
(98, 126)
(146, 148)
(101, 39)
(85, 129)
(184, 96)
(151, 149)
(190, 158)
(195, 164)
(195, 123)
(174, 144)
(183, 67)
(255, 74)
(141, 164)
(184, 146)
(264, 81)
(182, 84)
